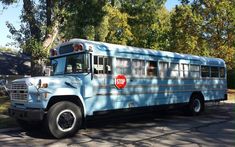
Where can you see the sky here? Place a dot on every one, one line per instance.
(10, 14)
(13, 12)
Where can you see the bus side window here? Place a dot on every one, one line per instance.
(98, 65)
(163, 69)
(102, 65)
(95, 64)
(214, 72)
(123, 66)
(108, 65)
(194, 71)
(138, 67)
(205, 71)
(185, 70)
(174, 70)
(222, 72)
(151, 68)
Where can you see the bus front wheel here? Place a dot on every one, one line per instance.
(64, 119)
(196, 105)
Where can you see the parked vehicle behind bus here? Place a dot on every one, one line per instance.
(90, 77)
(3, 88)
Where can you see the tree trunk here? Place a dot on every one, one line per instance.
(50, 37)
(47, 39)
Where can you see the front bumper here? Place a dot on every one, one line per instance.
(26, 114)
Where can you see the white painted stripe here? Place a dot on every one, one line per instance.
(156, 92)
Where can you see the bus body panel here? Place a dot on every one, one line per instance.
(99, 93)
(142, 92)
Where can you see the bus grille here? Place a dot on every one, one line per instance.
(19, 92)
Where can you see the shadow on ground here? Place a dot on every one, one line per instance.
(214, 127)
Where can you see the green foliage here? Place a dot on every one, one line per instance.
(34, 48)
(231, 79)
(98, 20)
(149, 22)
(117, 29)
(197, 27)
(40, 24)
(185, 31)
(5, 49)
(102, 29)
(8, 2)
(204, 28)
(83, 17)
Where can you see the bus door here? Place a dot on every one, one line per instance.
(79, 66)
(88, 78)
(102, 81)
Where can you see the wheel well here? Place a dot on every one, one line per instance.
(199, 93)
(70, 98)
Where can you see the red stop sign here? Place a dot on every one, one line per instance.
(120, 81)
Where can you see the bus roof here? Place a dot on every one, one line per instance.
(111, 49)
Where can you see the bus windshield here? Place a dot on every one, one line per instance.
(76, 63)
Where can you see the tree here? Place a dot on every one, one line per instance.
(98, 20)
(117, 29)
(204, 28)
(219, 27)
(149, 22)
(40, 23)
(185, 34)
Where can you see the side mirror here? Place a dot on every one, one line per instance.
(47, 71)
(91, 67)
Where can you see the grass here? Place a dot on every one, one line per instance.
(5, 120)
(231, 95)
(4, 104)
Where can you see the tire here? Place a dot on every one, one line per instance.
(196, 105)
(28, 126)
(64, 119)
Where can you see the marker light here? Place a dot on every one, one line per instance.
(77, 47)
(90, 49)
(53, 52)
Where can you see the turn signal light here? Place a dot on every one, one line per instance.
(44, 85)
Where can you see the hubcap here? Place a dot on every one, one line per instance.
(66, 120)
(197, 105)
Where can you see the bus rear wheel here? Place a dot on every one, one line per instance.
(196, 105)
(64, 119)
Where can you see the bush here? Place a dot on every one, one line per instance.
(231, 79)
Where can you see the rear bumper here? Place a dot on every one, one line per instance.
(225, 97)
(26, 114)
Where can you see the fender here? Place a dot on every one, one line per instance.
(69, 94)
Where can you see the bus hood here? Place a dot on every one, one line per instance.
(50, 81)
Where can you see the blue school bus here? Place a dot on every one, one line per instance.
(91, 77)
